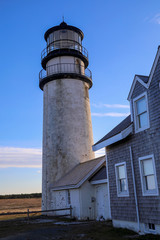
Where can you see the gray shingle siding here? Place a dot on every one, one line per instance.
(138, 89)
(122, 208)
(143, 143)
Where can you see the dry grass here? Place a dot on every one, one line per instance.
(18, 205)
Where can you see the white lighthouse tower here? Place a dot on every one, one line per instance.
(67, 128)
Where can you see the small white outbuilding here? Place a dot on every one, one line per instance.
(85, 189)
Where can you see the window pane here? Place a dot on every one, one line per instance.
(143, 120)
(148, 167)
(150, 182)
(141, 105)
(57, 37)
(63, 34)
(123, 185)
(79, 39)
(70, 35)
(121, 172)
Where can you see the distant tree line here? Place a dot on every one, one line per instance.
(26, 195)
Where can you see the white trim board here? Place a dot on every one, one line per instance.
(114, 139)
(108, 190)
(99, 181)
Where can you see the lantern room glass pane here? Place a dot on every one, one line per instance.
(79, 39)
(63, 34)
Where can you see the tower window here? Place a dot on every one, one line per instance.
(86, 92)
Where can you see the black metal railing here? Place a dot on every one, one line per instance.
(65, 68)
(61, 44)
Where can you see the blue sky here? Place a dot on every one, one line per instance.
(122, 39)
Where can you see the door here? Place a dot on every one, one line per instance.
(102, 202)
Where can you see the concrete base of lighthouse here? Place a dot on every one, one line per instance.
(67, 131)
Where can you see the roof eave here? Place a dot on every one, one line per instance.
(123, 134)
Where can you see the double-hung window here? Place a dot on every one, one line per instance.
(121, 180)
(141, 112)
(148, 175)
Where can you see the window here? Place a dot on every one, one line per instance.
(121, 180)
(151, 226)
(141, 112)
(86, 92)
(148, 176)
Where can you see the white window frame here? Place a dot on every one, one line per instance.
(145, 192)
(137, 129)
(126, 193)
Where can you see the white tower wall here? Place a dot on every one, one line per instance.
(67, 130)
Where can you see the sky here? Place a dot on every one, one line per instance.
(121, 38)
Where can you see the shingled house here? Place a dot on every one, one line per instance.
(133, 157)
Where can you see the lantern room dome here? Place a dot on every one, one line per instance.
(63, 25)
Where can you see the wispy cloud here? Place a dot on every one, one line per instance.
(110, 114)
(101, 105)
(100, 152)
(156, 19)
(20, 157)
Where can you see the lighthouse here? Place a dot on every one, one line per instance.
(67, 129)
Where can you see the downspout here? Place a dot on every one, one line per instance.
(134, 187)
(108, 185)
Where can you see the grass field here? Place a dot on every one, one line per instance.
(18, 205)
